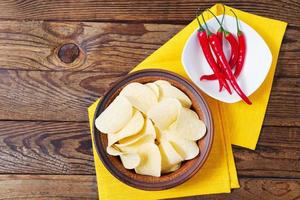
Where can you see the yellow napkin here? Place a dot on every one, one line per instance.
(236, 117)
(214, 176)
(218, 174)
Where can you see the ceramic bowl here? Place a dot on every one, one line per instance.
(188, 168)
(255, 70)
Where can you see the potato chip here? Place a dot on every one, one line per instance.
(115, 116)
(169, 91)
(134, 126)
(154, 88)
(130, 161)
(172, 168)
(187, 149)
(169, 156)
(159, 143)
(164, 113)
(160, 82)
(158, 133)
(189, 126)
(134, 147)
(120, 149)
(113, 150)
(140, 96)
(150, 163)
(148, 130)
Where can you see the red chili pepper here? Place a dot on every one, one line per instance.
(242, 49)
(233, 45)
(217, 49)
(231, 40)
(209, 77)
(220, 35)
(234, 48)
(203, 41)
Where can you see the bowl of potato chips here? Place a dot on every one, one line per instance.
(153, 130)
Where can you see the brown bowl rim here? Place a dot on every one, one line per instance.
(101, 151)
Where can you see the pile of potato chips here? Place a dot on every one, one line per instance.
(151, 127)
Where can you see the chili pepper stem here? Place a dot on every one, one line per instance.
(200, 26)
(208, 31)
(223, 14)
(216, 19)
(237, 21)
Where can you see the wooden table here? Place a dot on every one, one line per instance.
(57, 57)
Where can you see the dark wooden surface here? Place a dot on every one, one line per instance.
(47, 84)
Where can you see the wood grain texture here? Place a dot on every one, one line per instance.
(65, 148)
(84, 187)
(105, 47)
(60, 96)
(65, 96)
(276, 155)
(45, 148)
(262, 189)
(34, 45)
(158, 10)
(41, 187)
(284, 100)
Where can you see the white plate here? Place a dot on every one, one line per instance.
(256, 67)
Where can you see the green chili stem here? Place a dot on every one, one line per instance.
(200, 26)
(216, 19)
(223, 14)
(237, 23)
(205, 24)
(197, 17)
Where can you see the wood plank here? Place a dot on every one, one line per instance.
(105, 47)
(43, 187)
(45, 148)
(283, 101)
(277, 154)
(263, 189)
(65, 148)
(65, 96)
(141, 10)
(84, 187)
(60, 96)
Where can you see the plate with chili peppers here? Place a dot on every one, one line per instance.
(226, 58)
